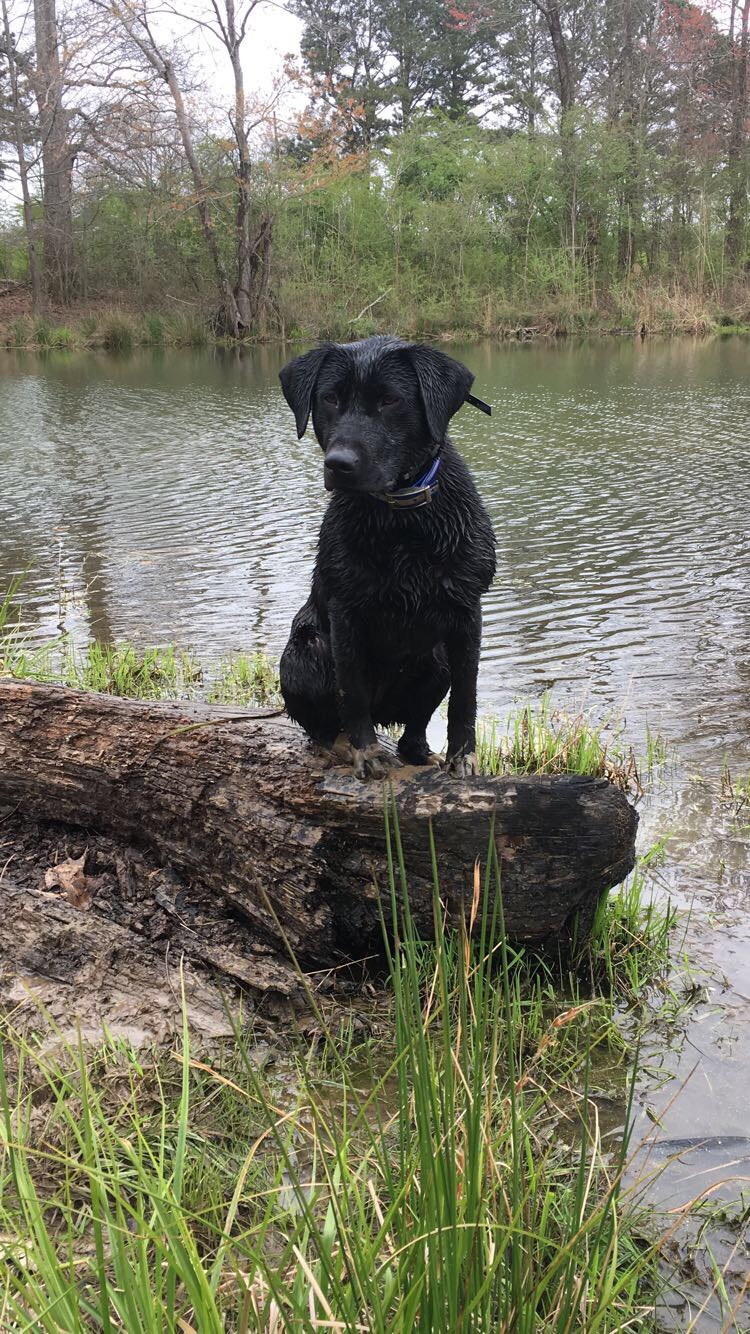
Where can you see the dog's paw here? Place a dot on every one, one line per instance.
(418, 754)
(334, 753)
(462, 766)
(374, 761)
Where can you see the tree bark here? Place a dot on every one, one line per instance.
(58, 156)
(253, 252)
(551, 14)
(229, 304)
(629, 225)
(737, 152)
(243, 844)
(17, 116)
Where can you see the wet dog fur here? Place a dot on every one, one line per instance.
(393, 620)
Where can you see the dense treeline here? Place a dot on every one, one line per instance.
(460, 165)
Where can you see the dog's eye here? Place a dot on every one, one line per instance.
(331, 398)
(390, 400)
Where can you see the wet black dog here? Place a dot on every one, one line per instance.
(406, 550)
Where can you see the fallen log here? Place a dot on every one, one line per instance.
(219, 836)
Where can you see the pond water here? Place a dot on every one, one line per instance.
(165, 498)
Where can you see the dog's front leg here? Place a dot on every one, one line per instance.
(462, 647)
(354, 693)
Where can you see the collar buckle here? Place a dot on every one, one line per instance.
(417, 495)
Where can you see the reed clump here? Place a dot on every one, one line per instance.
(543, 739)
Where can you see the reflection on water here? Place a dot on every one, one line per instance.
(166, 498)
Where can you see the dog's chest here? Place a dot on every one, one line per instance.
(426, 577)
(403, 586)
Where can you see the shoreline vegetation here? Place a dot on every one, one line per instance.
(425, 168)
(636, 312)
(435, 1153)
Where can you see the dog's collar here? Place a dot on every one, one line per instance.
(421, 492)
(478, 403)
(414, 496)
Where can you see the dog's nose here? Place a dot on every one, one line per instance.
(341, 462)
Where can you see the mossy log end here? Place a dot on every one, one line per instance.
(239, 841)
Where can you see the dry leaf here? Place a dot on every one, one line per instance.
(70, 876)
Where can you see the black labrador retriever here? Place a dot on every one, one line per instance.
(405, 551)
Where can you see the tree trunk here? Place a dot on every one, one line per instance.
(737, 155)
(629, 226)
(137, 27)
(551, 15)
(17, 116)
(253, 252)
(60, 276)
(230, 834)
(230, 313)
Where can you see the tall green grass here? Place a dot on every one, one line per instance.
(629, 947)
(543, 739)
(451, 1174)
(245, 678)
(450, 1177)
(9, 610)
(118, 332)
(112, 669)
(121, 669)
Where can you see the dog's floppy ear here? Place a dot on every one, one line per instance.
(298, 380)
(443, 384)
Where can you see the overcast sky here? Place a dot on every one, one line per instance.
(272, 35)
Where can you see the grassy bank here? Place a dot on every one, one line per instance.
(631, 310)
(436, 1157)
(109, 330)
(447, 1172)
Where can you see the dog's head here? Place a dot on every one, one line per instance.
(380, 408)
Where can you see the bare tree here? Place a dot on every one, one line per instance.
(253, 251)
(81, 89)
(242, 297)
(737, 148)
(20, 123)
(135, 21)
(58, 156)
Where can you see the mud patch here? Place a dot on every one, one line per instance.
(109, 947)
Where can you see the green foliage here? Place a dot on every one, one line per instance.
(14, 262)
(19, 333)
(448, 227)
(629, 945)
(47, 335)
(246, 679)
(546, 740)
(9, 609)
(187, 330)
(153, 330)
(454, 167)
(43, 333)
(111, 669)
(120, 670)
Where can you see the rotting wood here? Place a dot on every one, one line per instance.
(220, 837)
